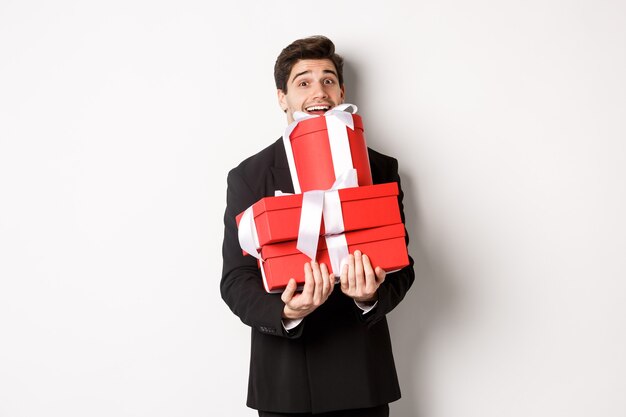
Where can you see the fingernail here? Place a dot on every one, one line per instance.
(357, 253)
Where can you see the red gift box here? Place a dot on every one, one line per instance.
(385, 247)
(312, 153)
(277, 218)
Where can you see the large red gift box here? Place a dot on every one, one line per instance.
(313, 157)
(385, 246)
(277, 218)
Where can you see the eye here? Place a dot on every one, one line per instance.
(303, 84)
(329, 81)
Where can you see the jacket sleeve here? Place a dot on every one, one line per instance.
(241, 285)
(396, 284)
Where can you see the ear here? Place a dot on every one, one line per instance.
(282, 101)
(343, 93)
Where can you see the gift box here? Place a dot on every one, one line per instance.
(329, 165)
(385, 246)
(277, 219)
(321, 148)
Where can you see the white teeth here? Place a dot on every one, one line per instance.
(313, 108)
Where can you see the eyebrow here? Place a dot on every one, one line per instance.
(306, 72)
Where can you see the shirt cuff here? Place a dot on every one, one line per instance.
(290, 324)
(365, 307)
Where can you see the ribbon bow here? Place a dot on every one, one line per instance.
(326, 202)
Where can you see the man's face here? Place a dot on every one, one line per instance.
(313, 87)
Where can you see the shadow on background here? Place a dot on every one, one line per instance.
(430, 299)
(432, 295)
(351, 81)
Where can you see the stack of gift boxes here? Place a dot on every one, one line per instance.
(335, 209)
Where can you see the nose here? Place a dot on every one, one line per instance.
(320, 91)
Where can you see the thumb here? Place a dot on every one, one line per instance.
(289, 291)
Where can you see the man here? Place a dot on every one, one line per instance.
(324, 351)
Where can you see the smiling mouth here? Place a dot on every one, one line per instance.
(317, 109)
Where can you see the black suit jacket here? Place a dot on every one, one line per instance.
(337, 358)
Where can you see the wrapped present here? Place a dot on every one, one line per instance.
(277, 219)
(385, 247)
(329, 166)
(322, 148)
(314, 203)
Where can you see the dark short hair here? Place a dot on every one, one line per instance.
(313, 47)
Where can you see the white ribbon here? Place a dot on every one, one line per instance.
(337, 246)
(333, 216)
(337, 119)
(314, 203)
(247, 234)
(310, 219)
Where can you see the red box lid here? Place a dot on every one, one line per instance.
(287, 209)
(317, 124)
(345, 194)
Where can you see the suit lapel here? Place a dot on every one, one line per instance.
(280, 178)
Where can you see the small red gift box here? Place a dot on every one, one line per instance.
(385, 247)
(322, 148)
(277, 218)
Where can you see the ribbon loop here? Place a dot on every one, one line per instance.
(316, 203)
(346, 107)
(247, 234)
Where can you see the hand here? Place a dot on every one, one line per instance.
(359, 280)
(318, 285)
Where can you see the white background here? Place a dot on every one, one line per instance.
(119, 121)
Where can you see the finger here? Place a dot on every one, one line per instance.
(351, 284)
(358, 272)
(319, 285)
(380, 275)
(343, 278)
(325, 281)
(289, 291)
(370, 277)
(309, 284)
(329, 277)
